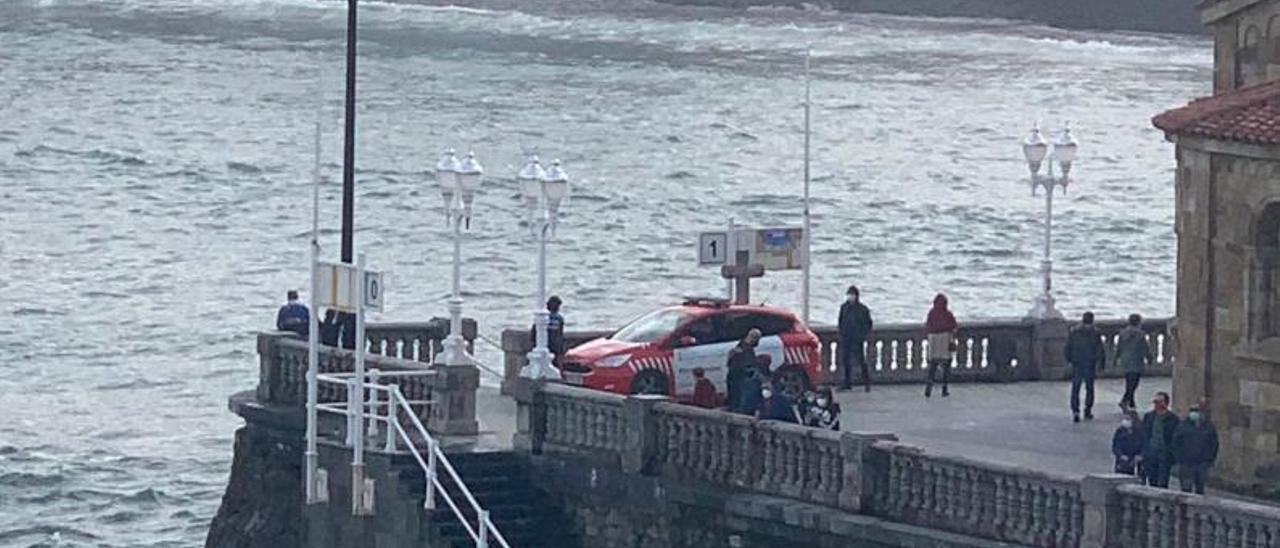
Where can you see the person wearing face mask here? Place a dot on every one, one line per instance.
(776, 406)
(854, 328)
(1126, 446)
(1195, 448)
(825, 412)
(806, 404)
(1158, 427)
(740, 368)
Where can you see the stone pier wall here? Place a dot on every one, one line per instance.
(814, 478)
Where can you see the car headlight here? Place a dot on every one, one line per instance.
(612, 361)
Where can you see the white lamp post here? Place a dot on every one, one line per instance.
(459, 183)
(1035, 149)
(544, 190)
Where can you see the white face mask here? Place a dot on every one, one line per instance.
(766, 393)
(809, 397)
(852, 298)
(1195, 416)
(1126, 423)
(822, 402)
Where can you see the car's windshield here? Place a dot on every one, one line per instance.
(652, 326)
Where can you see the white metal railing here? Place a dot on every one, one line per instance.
(392, 403)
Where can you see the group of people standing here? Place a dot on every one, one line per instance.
(1151, 448)
(336, 327)
(751, 390)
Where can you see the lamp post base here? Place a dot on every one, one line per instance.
(1044, 309)
(540, 367)
(455, 351)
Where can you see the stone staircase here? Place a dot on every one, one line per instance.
(526, 516)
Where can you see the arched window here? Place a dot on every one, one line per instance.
(1266, 294)
(1250, 62)
(1273, 40)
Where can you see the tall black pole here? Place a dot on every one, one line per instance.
(349, 144)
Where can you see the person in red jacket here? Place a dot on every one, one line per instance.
(941, 329)
(704, 392)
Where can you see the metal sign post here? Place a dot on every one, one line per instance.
(313, 335)
(356, 404)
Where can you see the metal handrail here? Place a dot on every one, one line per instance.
(393, 403)
(437, 456)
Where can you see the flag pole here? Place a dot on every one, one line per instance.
(808, 235)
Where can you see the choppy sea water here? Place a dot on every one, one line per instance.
(154, 193)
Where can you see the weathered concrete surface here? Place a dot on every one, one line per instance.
(1027, 424)
(262, 505)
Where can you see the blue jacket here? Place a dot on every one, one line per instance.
(294, 317)
(778, 408)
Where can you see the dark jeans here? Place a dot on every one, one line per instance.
(934, 366)
(1131, 381)
(854, 354)
(1192, 477)
(1157, 469)
(1085, 378)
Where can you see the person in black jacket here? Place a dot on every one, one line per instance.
(1085, 353)
(1195, 448)
(854, 327)
(1158, 427)
(741, 365)
(1126, 446)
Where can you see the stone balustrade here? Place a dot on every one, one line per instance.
(419, 341)
(987, 351)
(874, 474)
(282, 380)
(982, 499)
(1157, 518)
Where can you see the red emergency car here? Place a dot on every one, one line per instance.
(657, 352)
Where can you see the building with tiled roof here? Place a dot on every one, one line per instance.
(1228, 227)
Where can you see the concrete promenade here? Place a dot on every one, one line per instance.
(1027, 424)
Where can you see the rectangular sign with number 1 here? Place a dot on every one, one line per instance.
(713, 248)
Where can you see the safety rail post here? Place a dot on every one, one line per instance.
(393, 391)
(483, 541)
(351, 419)
(430, 502)
(373, 402)
(356, 405)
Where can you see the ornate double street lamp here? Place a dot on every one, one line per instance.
(544, 190)
(459, 182)
(1036, 150)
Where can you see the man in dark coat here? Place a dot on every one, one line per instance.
(742, 363)
(294, 316)
(854, 327)
(1085, 353)
(1126, 446)
(1195, 448)
(1159, 426)
(555, 330)
(776, 406)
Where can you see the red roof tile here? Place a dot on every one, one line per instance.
(1247, 115)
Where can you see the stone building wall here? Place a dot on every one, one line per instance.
(1222, 190)
(1246, 43)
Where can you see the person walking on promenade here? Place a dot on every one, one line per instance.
(854, 327)
(940, 326)
(704, 392)
(1158, 427)
(1085, 353)
(1195, 449)
(294, 316)
(741, 365)
(1132, 354)
(1126, 446)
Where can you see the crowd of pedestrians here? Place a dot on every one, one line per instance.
(1153, 447)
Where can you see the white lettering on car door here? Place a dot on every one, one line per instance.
(714, 358)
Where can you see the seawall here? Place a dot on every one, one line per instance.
(1166, 16)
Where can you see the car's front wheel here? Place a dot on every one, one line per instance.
(649, 382)
(793, 382)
